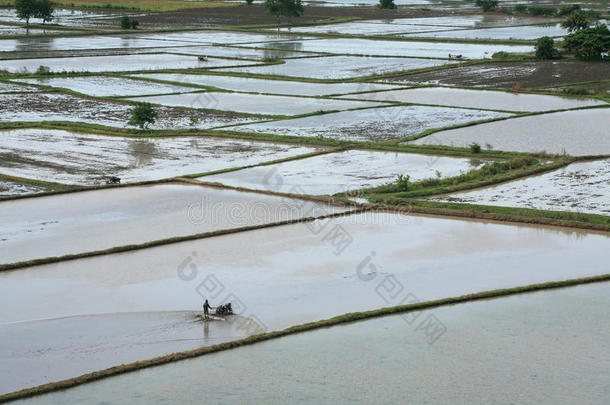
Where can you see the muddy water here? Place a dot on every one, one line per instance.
(375, 124)
(526, 33)
(579, 187)
(117, 63)
(235, 52)
(44, 227)
(340, 67)
(103, 86)
(365, 28)
(11, 188)
(545, 347)
(246, 84)
(393, 48)
(573, 132)
(346, 171)
(254, 103)
(492, 100)
(39, 352)
(304, 272)
(73, 158)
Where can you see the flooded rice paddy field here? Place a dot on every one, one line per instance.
(136, 41)
(339, 67)
(373, 124)
(530, 32)
(236, 51)
(273, 272)
(506, 74)
(11, 30)
(42, 227)
(38, 349)
(344, 171)
(105, 86)
(579, 187)
(521, 339)
(577, 133)
(254, 103)
(36, 107)
(491, 100)
(60, 320)
(67, 17)
(10, 188)
(251, 85)
(87, 159)
(118, 63)
(365, 28)
(369, 47)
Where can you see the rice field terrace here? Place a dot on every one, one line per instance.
(317, 201)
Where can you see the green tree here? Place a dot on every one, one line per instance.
(387, 4)
(25, 9)
(249, 2)
(589, 43)
(284, 8)
(142, 115)
(575, 21)
(487, 5)
(545, 48)
(43, 9)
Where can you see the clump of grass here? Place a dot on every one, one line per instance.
(475, 147)
(402, 182)
(43, 70)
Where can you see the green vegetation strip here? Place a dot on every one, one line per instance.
(338, 320)
(178, 239)
(564, 219)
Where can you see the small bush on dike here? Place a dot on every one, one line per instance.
(487, 5)
(403, 182)
(475, 147)
(142, 115)
(538, 10)
(389, 4)
(545, 48)
(43, 70)
(129, 23)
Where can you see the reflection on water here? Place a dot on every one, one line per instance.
(40, 43)
(142, 151)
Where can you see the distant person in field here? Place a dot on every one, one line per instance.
(206, 309)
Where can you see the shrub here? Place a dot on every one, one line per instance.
(520, 8)
(545, 48)
(403, 182)
(568, 9)
(248, 2)
(142, 115)
(538, 10)
(589, 43)
(129, 23)
(475, 147)
(387, 4)
(43, 70)
(125, 22)
(487, 5)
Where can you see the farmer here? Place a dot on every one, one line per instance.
(206, 309)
